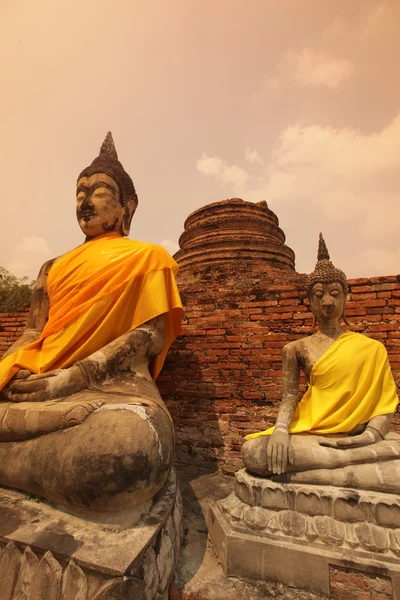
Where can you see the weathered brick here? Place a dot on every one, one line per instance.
(372, 303)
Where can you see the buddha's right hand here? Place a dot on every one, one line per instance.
(22, 374)
(279, 452)
(46, 386)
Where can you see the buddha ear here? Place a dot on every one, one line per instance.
(345, 293)
(130, 208)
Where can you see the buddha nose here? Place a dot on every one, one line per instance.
(87, 203)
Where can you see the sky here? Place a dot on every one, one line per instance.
(295, 102)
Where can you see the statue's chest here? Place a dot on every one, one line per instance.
(82, 272)
(312, 351)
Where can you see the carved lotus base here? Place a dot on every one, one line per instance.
(48, 555)
(296, 534)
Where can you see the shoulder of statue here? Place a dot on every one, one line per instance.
(368, 341)
(45, 268)
(370, 344)
(302, 345)
(159, 256)
(292, 348)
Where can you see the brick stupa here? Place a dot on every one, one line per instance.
(233, 231)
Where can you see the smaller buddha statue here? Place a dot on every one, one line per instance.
(338, 433)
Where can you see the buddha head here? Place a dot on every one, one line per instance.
(327, 288)
(105, 195)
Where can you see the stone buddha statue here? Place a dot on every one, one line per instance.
(81, 421)
(338, 433)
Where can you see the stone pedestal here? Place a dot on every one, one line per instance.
(303, 535)
(46, 554)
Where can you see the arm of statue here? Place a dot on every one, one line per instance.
(279, 451)
(38, 313)
(136, 347)
(375, 431)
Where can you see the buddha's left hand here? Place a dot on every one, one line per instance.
(369, 436)
(46, 386)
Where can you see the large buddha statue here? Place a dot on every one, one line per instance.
(81, 421)
(338, 433)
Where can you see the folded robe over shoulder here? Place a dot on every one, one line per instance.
(350, 383)
(97, 292)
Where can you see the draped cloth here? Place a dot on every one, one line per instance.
(99, 291)
(350, 383)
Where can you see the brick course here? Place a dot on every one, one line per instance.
(11, 327)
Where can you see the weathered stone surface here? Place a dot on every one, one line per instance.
(335, 516)
(74, 583)
(10, 560)
(297, 545)
(348, 508)
(67, 558)
(329, 531)
(165, 561)
(150, 570)
(115, 589)
(309, 502)
(29, 563)
(46, 581)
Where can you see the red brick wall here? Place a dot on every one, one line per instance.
(222, 376)
(349, 584)
(11, 327)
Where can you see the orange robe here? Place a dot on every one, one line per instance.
(99, 291)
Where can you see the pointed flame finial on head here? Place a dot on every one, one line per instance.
(323, 253)
(108, 147)
(325, 271)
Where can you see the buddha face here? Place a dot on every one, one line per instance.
(327, 301)
(98, 206)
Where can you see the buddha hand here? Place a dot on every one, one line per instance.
(46, 386)
(369, 436)
(279, 451)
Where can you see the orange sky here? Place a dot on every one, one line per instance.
(296, 102)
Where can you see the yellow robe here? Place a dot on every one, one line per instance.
(97, 292)
(350, 383)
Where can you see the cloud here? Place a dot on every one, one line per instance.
(252, 156)
(371, 22)
(231, 175)
(29, 255)
(171, 245)
(345, 180)
(311, 158)
(311, 68)
(378, 18)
